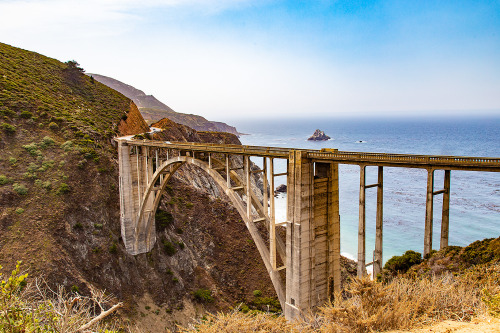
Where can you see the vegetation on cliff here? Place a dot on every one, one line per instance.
(59, 203)
(469, 287)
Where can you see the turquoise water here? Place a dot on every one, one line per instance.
(475, 196)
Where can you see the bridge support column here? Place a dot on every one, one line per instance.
(445, 220)
(313, 234)
(362, 222)
(429, 207)
(379, 224)
(135, 171)
(379, 228)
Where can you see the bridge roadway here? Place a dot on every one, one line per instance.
(437, 162)
(305, 268)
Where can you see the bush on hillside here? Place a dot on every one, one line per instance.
(163, 219)
(4, 180)
(63, 189)
(26, 114)
(169, 248)
(8, 128)
(401, 264)
(203, 295)
(20, 189)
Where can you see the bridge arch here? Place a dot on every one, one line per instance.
(145, 231)
(311, 256)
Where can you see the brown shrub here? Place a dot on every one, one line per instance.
(371, 306)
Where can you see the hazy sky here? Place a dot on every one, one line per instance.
(221, 59)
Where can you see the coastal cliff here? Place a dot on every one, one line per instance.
(59, 203)
(153, 110)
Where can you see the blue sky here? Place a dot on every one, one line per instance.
(229, 58)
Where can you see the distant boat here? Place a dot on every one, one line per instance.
(360, 141)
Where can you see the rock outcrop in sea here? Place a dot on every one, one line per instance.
(319, 136)
(280, 189)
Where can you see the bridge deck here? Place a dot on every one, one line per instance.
(331, 155)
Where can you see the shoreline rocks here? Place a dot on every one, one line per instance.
(319, 136)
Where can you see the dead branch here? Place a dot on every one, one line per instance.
(100, 317)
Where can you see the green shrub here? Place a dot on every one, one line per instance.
(75, 289)
(181, 245)
(19, 210)
(89, 153)
(169, 248)
(4, 180)
(32, 167)
(8, 113)
(401, 264)
(20, 189)
(46, 142)
(67, 146)
(30, 175)
(203, 295)
(33, 149)
(98, 225)
(63, 189)
(244, 308)
(53, 126)
(12, 160)
(163, 219)
(8, 128)
(46, 165)
(270, 304)
(179, 231)
(113, 248)
(26, 114)
(481, 251)
(257, 293)
(78, 226)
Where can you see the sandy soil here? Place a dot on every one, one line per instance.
(477, 325)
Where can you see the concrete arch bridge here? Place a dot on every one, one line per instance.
(304, 265)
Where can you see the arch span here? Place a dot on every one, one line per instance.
(145, 228)
(311, 257)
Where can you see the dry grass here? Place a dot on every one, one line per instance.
(403, 303)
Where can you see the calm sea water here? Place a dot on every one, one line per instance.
(475, 196)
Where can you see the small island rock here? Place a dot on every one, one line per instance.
(281, 188)
(319, 136)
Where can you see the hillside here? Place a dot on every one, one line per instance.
(59, 203)
(153, 110)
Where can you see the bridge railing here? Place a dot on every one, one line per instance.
(404, 160)
(407, 159)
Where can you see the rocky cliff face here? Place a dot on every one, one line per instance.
(133, 122)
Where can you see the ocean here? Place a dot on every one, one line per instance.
(474, 198)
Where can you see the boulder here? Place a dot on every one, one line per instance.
(319, 136)
(280, 189)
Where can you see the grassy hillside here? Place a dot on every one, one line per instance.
(59, 203)
(56, 126)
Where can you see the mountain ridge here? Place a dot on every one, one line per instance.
(154, 110)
